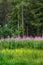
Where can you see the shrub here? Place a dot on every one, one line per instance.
(5, 32)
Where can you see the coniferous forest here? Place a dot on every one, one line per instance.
(21, 32)
(21, 18)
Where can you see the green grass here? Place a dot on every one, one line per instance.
(21, 52)
(21, 57)
(21, 44)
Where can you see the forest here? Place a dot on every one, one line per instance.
(21, 18)
(21, 32)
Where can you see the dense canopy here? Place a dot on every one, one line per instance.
(21, 18)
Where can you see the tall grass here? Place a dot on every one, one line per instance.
(21, 57)
(21, 44)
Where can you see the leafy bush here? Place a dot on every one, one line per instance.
(5, 31)
(19, 32)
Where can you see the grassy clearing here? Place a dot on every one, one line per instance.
(22, 44)
(21, 57)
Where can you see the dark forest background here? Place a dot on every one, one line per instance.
(21, 18)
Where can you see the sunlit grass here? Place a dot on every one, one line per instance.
(21, 57)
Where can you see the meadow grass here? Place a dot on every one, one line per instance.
(21, 52)
(21, 57)
(21, 44)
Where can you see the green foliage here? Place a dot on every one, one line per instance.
(21, 44)
(26, 13)
(1, 32)
(5, 31)
(21, 57)
(32, 16)
(18, 32)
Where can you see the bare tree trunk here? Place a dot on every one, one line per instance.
(18, 25)
(42, 32)
(38, 31)
(5, 11)
(18, 19)
(22, 20)
(27, 30)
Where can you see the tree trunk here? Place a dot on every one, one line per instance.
(18, 25)
(22, 21)
(18, 19)
(27, 30)
(5, 11)
(42, 32)
(38, 31)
